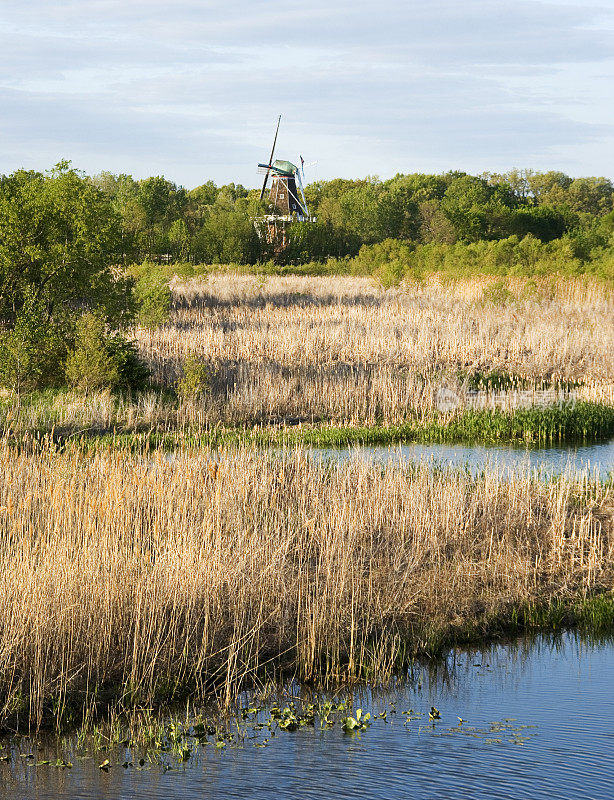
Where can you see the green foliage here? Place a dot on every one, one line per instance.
(511, 256)
(195, 381)
(227, 235)
(476, 209)
(153, 298)
(89, 365)
(389, 261)
(99, 360)
(59, 236)
(213, 225)
(31, 352)
(497, 293)
(356, 724)
(132, 372)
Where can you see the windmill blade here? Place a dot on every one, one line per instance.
(266, 176)
(300, 188)
(303, 165)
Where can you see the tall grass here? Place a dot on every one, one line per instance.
(344, 350)
(341, 351)
(135, 577)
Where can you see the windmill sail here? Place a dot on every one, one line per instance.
(287, 202)
(266, 175)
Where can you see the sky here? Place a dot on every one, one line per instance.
(192, 89)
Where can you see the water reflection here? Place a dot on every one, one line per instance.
(594, 458)
(561, 685)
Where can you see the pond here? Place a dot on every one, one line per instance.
(537, 723)
(546, 460)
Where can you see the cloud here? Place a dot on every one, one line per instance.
(193, 89)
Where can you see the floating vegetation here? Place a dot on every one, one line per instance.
(166, 744)
(358, 723)
(497, 732)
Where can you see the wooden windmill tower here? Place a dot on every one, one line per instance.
(287, 202)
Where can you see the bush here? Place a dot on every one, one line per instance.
(153, 298)
(388, 260)
(196, 380)
(99, 361)
(89, 365)
(132, 372)
(31, 354)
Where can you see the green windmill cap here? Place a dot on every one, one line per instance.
(285, 166)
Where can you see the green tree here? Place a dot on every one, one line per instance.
(59, 236)
(153, 298)
(477, 210)
(179, 240)
(549, 188)
(543, 221)
(227, 236)
(434, 224)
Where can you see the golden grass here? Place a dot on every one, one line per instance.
(144, 574)
(341, 350)
(345, 350)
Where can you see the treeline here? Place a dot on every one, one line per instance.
(211, 224)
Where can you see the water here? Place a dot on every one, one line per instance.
(561, 686)
(546, 460)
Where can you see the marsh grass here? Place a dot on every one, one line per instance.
(159, 421)
(342, 352)
(131, 580)
(346, 351)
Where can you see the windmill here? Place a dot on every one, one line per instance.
(287, 202)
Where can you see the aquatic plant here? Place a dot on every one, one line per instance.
(133, 581)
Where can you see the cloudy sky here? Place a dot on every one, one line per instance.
(192, 89)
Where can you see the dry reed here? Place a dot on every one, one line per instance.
(149, 574)
(345, 350)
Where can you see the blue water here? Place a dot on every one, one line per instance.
(560, 689)
(545, 460)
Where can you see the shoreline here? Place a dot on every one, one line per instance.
(141, 578)
(585, 422)
(590, 616)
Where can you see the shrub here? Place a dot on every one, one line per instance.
(388, 260)
(153, 298)
(196, 379)
(90, 365)
(132, 371)
(32, 352)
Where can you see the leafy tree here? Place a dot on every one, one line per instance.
(59, 236)
(318, 241)
(153, 298)
(549, 188)
(590, 195)
(477, 210)
(370, 212)
(434, 224)
(543, 221)
(179, 240)
(227, 236)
